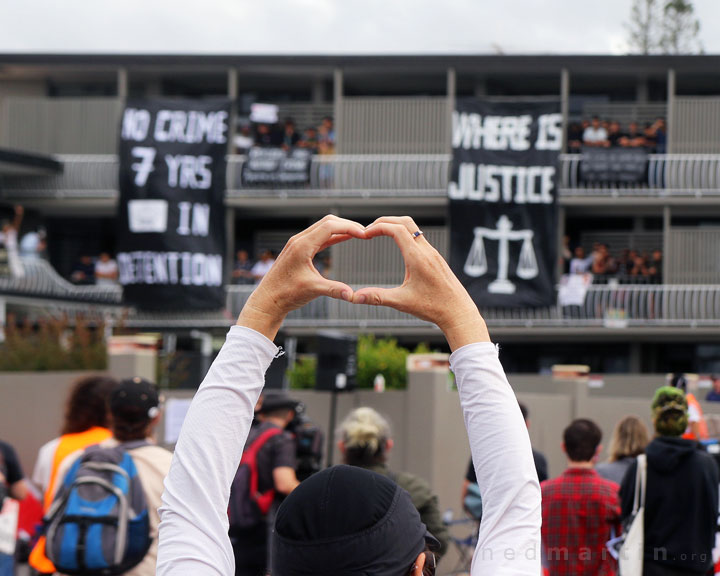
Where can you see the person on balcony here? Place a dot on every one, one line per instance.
(595, 135)
(83, 273)
(309, 140)
(9, 238)
(656, 136)
(614, 134)
(581, 264)
(106, 271)
(262, 266)
(242, 271)
(634, 138)
(290, 136)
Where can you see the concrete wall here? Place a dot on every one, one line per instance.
(428, 428)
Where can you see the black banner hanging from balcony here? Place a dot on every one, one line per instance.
(171, 215)
(503, 215)
(276, 168)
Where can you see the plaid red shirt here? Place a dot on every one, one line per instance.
(578, 510)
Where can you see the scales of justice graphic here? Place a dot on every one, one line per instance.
(476, 263)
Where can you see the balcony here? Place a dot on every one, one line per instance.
(95, 177)
(606, 306)
(668, 175)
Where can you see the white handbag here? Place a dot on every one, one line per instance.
(630, 558)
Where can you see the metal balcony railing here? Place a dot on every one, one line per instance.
(412, 176)
(667, 175)
(40, 280)
(612, 306)
(357, 175)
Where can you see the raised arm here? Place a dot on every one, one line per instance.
(509, 539)
(194, 524)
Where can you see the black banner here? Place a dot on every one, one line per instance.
(614, 165)
(171, 215)
(502, 200)
(274, 167)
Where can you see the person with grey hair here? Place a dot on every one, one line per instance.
(365, 440)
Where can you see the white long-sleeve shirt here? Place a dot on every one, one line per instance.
(194, 523)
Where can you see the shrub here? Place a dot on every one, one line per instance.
(52, 344)
(374, 356)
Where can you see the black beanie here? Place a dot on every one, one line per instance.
(350, 521)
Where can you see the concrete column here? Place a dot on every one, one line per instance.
(338, 108)
(451, 95)
(641, 90)
(635, 358)
(318, 91)
(667, 239)
(122, 84)
(669, 121)
(229, 243)
(3, 319)
(565, 103)
(559, 242)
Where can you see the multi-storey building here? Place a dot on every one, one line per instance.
(59, 122)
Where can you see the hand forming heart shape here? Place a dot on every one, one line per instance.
(430, 291)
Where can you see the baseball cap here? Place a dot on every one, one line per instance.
(277, 401)
(134, 399)
(351, 521)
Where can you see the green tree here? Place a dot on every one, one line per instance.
(680, 29)
(663, 27)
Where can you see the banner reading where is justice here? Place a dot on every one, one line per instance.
(503, 215)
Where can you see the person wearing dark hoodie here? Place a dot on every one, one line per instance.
(681, 500)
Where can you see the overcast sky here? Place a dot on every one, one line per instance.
(326, 26)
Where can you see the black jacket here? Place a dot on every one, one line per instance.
(681, 506)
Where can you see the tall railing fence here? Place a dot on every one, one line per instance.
(60, 125)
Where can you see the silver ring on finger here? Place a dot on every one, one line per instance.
(417, 234)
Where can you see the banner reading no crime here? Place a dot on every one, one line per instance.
(171, 216)
(502, 200)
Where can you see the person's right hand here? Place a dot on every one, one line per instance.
(430, 290)
(293, 280)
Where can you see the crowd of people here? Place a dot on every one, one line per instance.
(597, 133)
(627, 266)
(286, 135)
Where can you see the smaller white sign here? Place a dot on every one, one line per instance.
(175, 411)
(264, 113)
(147, 215)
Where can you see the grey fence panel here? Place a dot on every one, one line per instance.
(625, 112)
(379, 261)
(61, 125)
(694, 256)
(617, 241)
(394, 126)
(696, 125)
(305, 114)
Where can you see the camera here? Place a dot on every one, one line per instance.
(309, 439)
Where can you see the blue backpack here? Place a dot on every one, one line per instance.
(98, 523)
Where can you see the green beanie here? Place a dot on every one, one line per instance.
(670, 411)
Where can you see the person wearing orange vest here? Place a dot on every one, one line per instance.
(85, 424)
(697, 427)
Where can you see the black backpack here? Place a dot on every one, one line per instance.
(247, 507)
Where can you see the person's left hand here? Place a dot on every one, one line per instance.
(293, 280)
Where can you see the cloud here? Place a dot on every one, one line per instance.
(324, 26)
